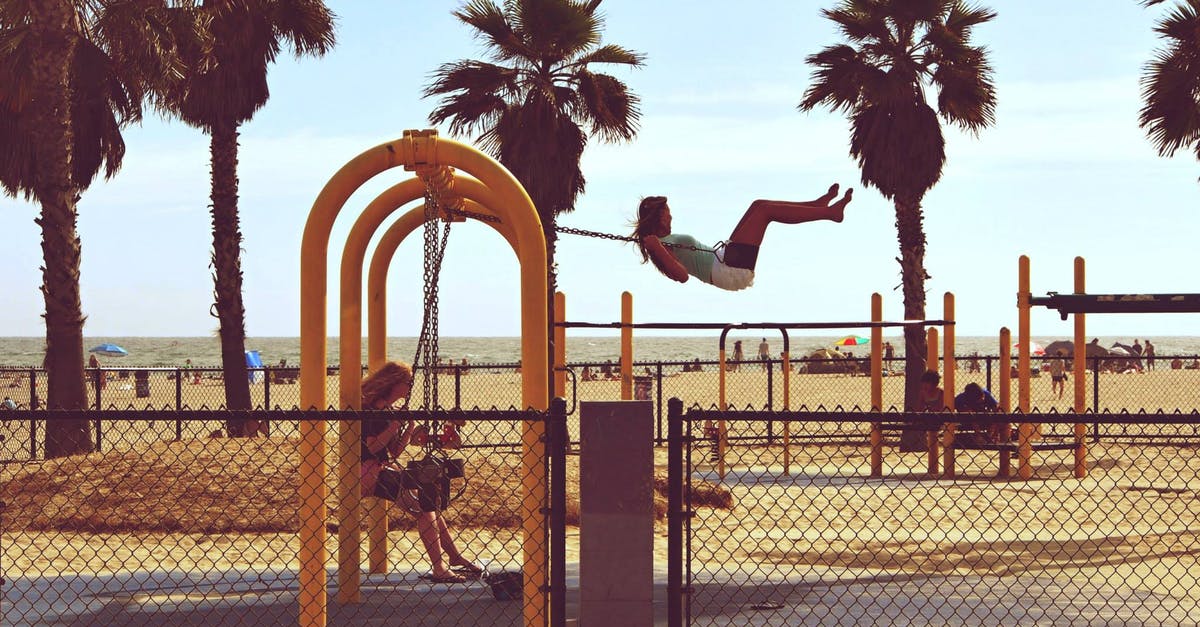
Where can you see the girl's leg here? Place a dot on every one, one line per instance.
(428, 528)
(762, 213)
(453, 555)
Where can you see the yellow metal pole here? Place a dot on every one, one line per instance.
(560, 345)
(931, 361)
(626, 346)
(949, 368)
(1079, 365)
(876, 385)
(1005, 398)
(350, 381)
(1025, 430)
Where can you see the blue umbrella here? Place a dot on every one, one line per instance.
(109, 350)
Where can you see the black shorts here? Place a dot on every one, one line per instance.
(1057, 378)
(430, 497)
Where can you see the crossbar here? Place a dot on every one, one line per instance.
(752, 325)
(1068, 304)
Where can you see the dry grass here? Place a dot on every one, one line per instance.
(215, 486)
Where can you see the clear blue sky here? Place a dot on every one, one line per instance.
(1066, 171)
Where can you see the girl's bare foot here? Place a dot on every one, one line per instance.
(830, 195)
(839, 208)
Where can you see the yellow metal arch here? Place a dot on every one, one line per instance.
(425, 152)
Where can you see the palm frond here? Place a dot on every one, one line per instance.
(837, 79)
(609, 106)
(474, 76)
(1181, 24)
(492, 26)
(860, 22)
(308, 25)
(1170, 113)
(468, 111)
(556, 29)
(963, 17)
(966, 91)
(611, 54)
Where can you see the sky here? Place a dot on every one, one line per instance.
(1064, 172)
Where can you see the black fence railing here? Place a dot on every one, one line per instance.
(1114, 384)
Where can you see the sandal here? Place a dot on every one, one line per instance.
(468, 569)
(448, 578)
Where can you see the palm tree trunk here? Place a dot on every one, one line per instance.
(227, 245)
(911, 235)
(53, 21)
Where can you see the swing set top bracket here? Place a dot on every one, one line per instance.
(1067, 304)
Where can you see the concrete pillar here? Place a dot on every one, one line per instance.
(616, 529)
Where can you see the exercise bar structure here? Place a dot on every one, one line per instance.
(1067, 304)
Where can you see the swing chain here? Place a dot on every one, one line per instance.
(483, 217)
(624, 238)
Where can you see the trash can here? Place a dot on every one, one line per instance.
(141, 383)
(642, 387)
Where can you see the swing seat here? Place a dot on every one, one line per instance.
(738, 255)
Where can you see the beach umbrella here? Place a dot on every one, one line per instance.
(852, 340)
(1034, 348)
(1066, 346)
(109, 350)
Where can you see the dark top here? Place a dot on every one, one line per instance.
(966, 402)
(372, 427)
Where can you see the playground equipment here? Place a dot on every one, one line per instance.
(876, 325)
(433, 160)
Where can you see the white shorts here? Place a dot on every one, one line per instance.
(728, 278)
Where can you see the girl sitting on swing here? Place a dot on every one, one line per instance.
(382, 440)
(729, 265)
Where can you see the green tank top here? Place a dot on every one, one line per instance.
(697, 262)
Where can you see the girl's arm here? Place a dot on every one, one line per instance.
(664, 260)
(376, 443)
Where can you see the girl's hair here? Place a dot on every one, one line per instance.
(649, 212)
(382, 381)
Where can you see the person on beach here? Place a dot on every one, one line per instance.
(764, 353)
(98, 378)
(1149, 353)
(975, 399)
(382, 439)
(1058, 374)
(932, 396)
(738, 357)
(728, 265)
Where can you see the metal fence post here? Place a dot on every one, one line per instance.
(675, 514)
(457, 387)
(178, 402)
(658, 407)
(1096, 395)
(33, 404)
(770, 400)
(557, 428)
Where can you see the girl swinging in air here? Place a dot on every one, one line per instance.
(730, 265)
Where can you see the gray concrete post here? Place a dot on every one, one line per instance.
(616, 528)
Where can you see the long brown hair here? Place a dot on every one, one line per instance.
(382, 381)
(649, 217)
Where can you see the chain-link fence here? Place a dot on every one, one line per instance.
(810, 535)
(207, 530)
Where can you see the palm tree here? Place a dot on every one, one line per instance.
(224, 86)
(898, 51)
(531, 106)
(74, 74)
(1171, 83)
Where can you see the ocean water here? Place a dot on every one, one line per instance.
(206, 351)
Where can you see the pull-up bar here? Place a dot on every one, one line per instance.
(1068, 304)
(752, 325)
